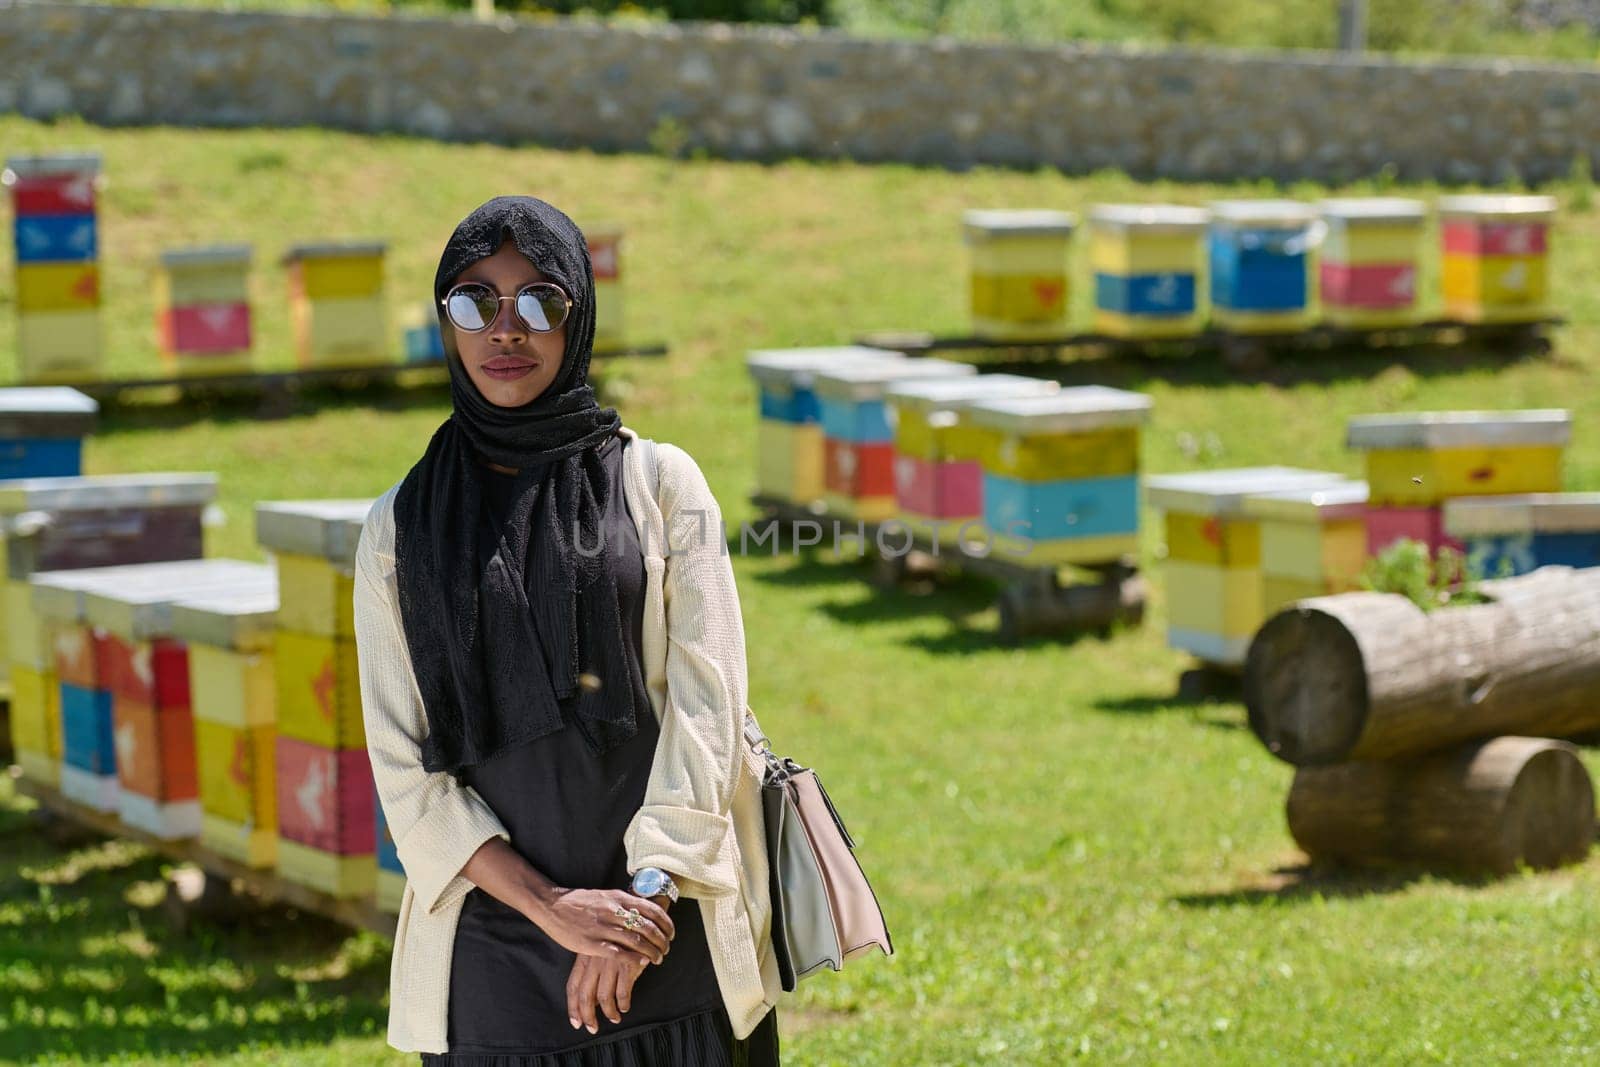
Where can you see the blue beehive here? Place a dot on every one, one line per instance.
(1511, 535)
(1260, 265)
(42, 432)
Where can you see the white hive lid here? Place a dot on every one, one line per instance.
(1149, 218)
(982, 224)
(1222, 493)
(1075, 410)
(1459, 429)
(862, 382)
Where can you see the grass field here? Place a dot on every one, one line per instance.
(1073, 865)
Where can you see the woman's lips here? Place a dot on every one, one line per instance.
(508, 368)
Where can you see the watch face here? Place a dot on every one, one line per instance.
(649, 882)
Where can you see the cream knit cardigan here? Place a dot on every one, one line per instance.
(701, 817)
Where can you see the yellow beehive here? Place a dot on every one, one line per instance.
(1369, 263)
(318, 692)
(58, 346)
(1214, 553)
(1423, 459)
(391, 890)
(45, 287)
(36, 724)
(1313, 542)
(1019, 272)
(336, 304)
(1496, 254)
(1146, 260)
(317, 596)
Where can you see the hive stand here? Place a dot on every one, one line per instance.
(1033, 600)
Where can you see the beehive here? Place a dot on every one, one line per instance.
(203, 309)
(1313, 542)
(938, 471)
(423, 342)
(1259, 252)
(1417, 461)
(1146, 260)
(1512, 535)
(336, 303)
(58, 275)
(42, 432)
(1019, 272)
(1496, 257)
(605, 254)
(326, 822)
(1061, 473)
(145, 668)
(231, 684)
(1368, 267)
(1213, 554)
(78, 653)
(857, 440)
(790, 456)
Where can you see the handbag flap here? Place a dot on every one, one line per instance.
(855, 908)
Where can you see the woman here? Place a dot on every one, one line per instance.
(553, 703)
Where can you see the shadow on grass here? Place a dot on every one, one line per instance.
(96, 971)
(227, 407)
(1300, 883)
(1311, 365)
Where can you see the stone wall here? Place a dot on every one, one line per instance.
(764, 93)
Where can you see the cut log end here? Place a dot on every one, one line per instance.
(1305, 687)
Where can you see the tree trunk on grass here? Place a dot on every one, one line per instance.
(1364, 676)
(1488, 806)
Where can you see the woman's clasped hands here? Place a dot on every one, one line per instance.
(616, 936)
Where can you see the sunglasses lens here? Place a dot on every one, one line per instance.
(542, 307)
(472, 307)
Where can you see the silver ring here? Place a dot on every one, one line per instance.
(633, 919)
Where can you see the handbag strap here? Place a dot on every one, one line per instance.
(753, 736)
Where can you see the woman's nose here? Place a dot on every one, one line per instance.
(506, 321)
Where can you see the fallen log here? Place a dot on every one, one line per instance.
(1370, 676)
(1488, 806)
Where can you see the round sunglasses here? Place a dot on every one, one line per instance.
(541, 306)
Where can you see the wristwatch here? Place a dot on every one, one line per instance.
(654, 882)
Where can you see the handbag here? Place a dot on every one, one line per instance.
(824, 912)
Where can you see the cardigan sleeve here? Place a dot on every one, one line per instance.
(683, 826)
(437, 823)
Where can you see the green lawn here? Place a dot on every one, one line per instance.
(1072, 863)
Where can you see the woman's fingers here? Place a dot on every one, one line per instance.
(657, 915)
(574, 983)
(626, 976)
(605, 988)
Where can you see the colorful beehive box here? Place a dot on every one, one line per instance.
(203, 309)
(857, 439)
(938, 470)
(791, 461)
(88, 758)
(1368, 267)
(1213, 554)
(326, 823)
(146, 671)
(1510, 535)
(1146, 260)
(605, 253)
(58, 276)
(1019, 272)
(232, 692)
(1313, 542)
(1260, 275)
(1496, 255)
(1417, 461)
(1061, 473)
(336, 303)
(42, 431)
(421, 337)
(391, 887)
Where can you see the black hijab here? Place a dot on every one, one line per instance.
(508, 649)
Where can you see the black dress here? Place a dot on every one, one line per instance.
(566, 809)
